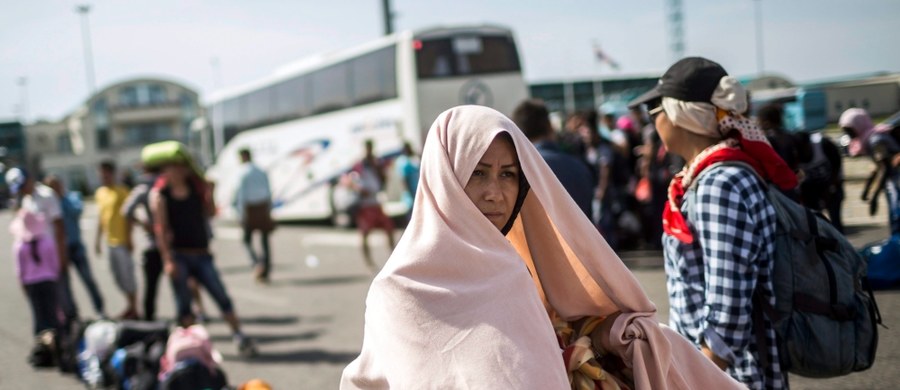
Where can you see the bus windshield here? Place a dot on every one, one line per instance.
(465, 55)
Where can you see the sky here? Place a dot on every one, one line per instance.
(41, 40)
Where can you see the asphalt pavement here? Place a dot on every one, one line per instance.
(308, 322)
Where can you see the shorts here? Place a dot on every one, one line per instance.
(122, 266)
(372, 217)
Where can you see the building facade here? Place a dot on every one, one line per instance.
(113, 124)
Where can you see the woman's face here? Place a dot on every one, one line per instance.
(175, 172)
(494, 184)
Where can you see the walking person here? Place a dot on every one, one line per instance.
(253, 204)
(72, 208)
(370, 173)
(408, 169)
(181, 203)
(34, 251)
(719, 225)
(881, 145)
(110, 197)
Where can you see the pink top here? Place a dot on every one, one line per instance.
(456, 306)
(33, 248)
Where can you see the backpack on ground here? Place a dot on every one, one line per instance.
(884, 263)
(44, 351)
(825, 315)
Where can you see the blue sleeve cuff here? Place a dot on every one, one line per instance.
(718, 346)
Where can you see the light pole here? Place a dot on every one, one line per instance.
(760, 67)
(218, 109)
(83, 10)
(388, 17)
(22, 82)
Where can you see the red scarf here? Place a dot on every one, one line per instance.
(756, 153)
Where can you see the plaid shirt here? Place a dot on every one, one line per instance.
(711, 281)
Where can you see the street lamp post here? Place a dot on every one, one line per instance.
(83, 10)
(218, 111)
(388, 17)
(22, 82)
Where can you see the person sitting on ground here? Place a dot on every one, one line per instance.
(501, 282)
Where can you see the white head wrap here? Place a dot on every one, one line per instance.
(699, 117)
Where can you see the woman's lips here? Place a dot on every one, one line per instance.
(494, 215)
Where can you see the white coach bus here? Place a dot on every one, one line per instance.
(306, 124)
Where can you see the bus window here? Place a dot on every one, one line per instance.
(291, 99)
(374, 76)
(466, 55)
(331, 89)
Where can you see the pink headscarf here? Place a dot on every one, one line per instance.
(456, 305)
(859, 121)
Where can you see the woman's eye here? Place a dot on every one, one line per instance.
(510, 174)
(478, 173)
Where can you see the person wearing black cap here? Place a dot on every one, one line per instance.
(718, 243)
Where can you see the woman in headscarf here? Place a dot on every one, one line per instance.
(880, 144)
(719, 225)
(501, 282)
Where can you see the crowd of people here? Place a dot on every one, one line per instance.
(684, 171)
(454, 307)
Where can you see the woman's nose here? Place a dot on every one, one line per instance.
(492, 190)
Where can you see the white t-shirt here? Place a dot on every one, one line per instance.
(43, 201)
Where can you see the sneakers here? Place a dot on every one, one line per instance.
(246, 347)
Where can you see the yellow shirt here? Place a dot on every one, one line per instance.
(109, 204)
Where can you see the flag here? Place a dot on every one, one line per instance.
(603, 57)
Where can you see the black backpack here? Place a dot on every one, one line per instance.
(825, 314)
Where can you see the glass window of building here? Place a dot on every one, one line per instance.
(101, 113)
(331, 89)
(128, 96)
(63, 144)
(103, 138)
(145, 133)
(374, 76)
(156, 94)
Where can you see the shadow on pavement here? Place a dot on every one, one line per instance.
(854, 230)
(263, 339)
(270, 320)
(304, 356)
(322, 281)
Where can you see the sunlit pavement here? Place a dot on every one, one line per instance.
(308, 322)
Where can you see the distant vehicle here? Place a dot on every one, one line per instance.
(804, 109)
(306, 125)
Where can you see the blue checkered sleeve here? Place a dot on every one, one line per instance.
(731, 242)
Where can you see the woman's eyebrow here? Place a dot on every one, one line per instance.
(516, 165)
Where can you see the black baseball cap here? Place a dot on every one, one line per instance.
(692, 79)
